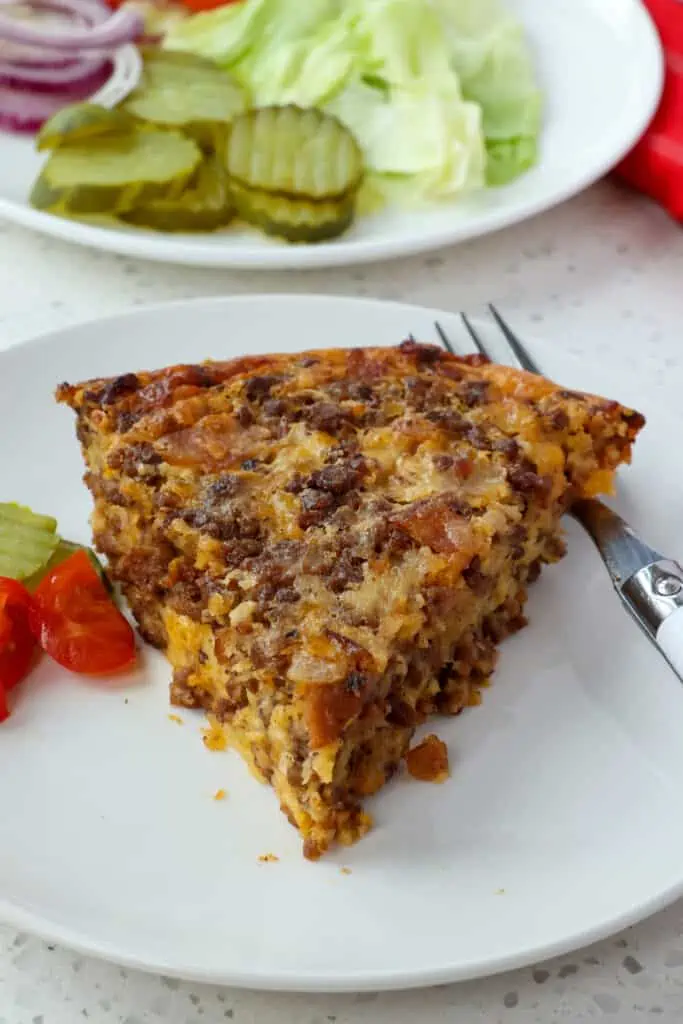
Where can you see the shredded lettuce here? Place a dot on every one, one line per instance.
(441, 94)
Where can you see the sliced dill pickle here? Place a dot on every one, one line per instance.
(81, 121)
(27, 541)
(109, 175)
(155, 55)
(44, 197)
(180, 90)
(296, 220)
(206, 206)
(294, 152)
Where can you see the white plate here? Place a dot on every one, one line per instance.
(555, 828)
(601, 70)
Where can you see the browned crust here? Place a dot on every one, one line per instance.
(144, 391)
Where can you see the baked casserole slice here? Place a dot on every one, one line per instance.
(329, 546)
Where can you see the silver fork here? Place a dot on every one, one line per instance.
(649, 584)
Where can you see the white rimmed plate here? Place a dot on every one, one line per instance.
(556, 828)
(601, 70)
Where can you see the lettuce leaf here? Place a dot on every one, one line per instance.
(441, 94)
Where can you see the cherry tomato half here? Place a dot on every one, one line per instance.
(77, 622)
(17, 642)
(205, 5)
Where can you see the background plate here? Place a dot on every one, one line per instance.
(601, 70)
(555, 828)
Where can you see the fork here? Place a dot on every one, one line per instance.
(649, 585)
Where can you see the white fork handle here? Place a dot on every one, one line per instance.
(670, 640)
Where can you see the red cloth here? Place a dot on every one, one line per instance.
(655, 166)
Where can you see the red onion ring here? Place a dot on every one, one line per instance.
(34, 76)
(22, 110)
(49, 62)
(122, 27)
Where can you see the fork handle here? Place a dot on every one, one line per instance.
(669, 639)
(654, 596)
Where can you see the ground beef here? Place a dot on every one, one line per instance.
(315, 507)
(275, 407)
(137, 460)
(475, 579)
(475, 393)
(258, 387)
(424, 355)
(507, 446)
(245, 417)
(348, 569)
(558, 419)
(186, 598)
(325, 416)
(225, 486)
(340, 477)
(526, 481)
(114, 389)
(296, 484)
(106, 490)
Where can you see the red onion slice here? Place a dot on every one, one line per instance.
(84, 12)
(86, 72)
(122, 27)
(24, 108)
(24, 111)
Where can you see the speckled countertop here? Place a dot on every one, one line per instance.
(602, 275)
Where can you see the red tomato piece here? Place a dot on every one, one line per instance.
(77, 622)
(205, 5)
(17, 642)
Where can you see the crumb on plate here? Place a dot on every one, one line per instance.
(428, 761)
(214, 737)
(268, 858)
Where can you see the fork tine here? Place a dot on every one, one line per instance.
(521, 354)
(475, 336)
(445, 340)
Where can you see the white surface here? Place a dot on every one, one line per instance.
(566, 736)
(600, 276)
(670, 638)
(600, 66)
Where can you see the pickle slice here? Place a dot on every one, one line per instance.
(154, 56)
(81, 121)
(44, 197)
(109, 175)
(294, 153)
(180, 90)
(27, 541)
(296, 220)
(206, 206)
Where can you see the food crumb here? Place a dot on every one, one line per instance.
(428, 761)
(345, 871)
(214, 737)
(220, 794)
(499, 892)
(268, 858)
(125, 700)
(175, 718)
